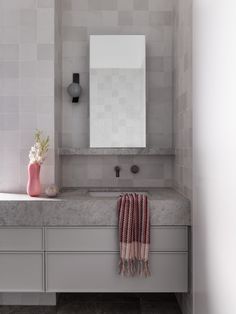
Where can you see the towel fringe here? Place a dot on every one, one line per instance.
(134, 267)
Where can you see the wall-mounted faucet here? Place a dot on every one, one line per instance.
(134, 169)
(117, 170)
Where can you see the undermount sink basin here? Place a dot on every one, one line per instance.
(111, 193)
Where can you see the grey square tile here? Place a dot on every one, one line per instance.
(141, 18)
(109, 4)
(45, 3)
(79, 5)
(45, 51)
(158, 18)
(71, 33)
(94, 5)
(66, 4)
(28, 18)
(125, 18)
(155, 64)
(125, 5)
(141, 5)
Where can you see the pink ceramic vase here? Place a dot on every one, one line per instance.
(33, 185)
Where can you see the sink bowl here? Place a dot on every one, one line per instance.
(111, 193)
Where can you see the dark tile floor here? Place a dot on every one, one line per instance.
(103, 304)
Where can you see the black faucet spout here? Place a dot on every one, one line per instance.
(117, 170)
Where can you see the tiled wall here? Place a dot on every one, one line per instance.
(98, 171)
(153, 18)
(183, 116)
(26, 87)
(183, 97)
(29, 70)
(57, 86)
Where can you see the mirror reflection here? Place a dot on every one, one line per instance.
(117, 91)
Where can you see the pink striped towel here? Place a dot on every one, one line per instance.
(134, 234)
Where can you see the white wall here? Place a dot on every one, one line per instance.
(214, 143)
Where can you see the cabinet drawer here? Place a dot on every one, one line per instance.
(21, 272)
(21, 239)
(169, 239)
(98, 272)
(97, 239)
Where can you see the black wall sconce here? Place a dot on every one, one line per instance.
(74, 89)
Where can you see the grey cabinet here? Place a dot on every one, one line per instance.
(21, 239)
(98, 272)
(21, 260)
(21, 272)
(97, 239)
(86, 260)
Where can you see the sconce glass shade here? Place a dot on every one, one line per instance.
(74, 90)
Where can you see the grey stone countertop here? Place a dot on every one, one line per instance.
(117, 151)
(78, 208)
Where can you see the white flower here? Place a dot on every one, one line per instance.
(38, 152)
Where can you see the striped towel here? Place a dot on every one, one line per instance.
(134, 234)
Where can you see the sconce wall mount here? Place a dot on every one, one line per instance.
(74, 89)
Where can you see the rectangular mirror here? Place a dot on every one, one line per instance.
(117, 91)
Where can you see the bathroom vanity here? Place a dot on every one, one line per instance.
(70, 244)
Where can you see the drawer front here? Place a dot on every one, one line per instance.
(98, 272)
(81, 239)
(21, 239)
(21, 272)
(106, 239)
(169, 239)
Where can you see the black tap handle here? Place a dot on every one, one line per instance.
(117, 170)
